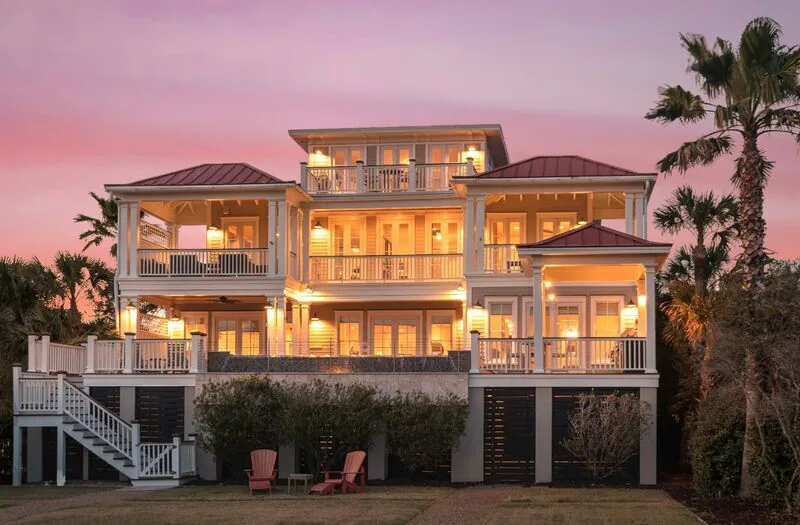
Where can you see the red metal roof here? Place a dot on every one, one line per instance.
(555, 166)
(211, 175)
(594, 235)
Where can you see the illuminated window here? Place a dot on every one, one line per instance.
(553, 225)
(607, 319)
(251, 337)
(501, 320)
(441, 334)
(240, 235)
(382, 337)
(406, 338)
(349, 335)
(194, 323)
(568, 320)
(226, 335)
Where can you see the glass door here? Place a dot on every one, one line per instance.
(503, 233)
(566, 324)
(393, 174)
(343, 160)
(444, 239)
(240, 235)
(395, 335)
(239, 334)
(438, 175)
(346, 246)
(397, 240)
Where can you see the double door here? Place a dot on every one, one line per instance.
(395, 334)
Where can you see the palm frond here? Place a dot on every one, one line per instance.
(712, 66)
(677, 103)
(701, 152)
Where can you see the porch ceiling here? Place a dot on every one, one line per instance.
(209, 302)
(197, 212)
(594, 273)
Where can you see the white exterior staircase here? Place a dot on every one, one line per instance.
(103, 433)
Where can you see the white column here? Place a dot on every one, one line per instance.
(474, 352)
(306, 248)
(130, 353)
(304, 175)
(305, 328)
(641, 216)
(33, 361)
(650, 287)
(90, 341)
(470, 166)
(195, 352)
(272, 220)
(280, 325)
(122, 238)
(538, 318)
(297, 328)
(282, 237)
(16, 441)
(133, 247)
(629, 213)
(174, 231)
(269, 311)
(44, 356)
(412, 175)
(480, 218)
(61, 457)
(360, 186)
(469, 234)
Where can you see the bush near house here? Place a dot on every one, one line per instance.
(324, 421)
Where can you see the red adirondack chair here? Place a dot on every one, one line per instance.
(347, 478)
(262, 475)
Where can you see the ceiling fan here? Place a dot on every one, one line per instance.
(225, 300)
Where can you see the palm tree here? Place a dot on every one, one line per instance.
(103, 228)
(712, 221)
(751, 91)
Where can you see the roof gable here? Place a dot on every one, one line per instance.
(211, 175)
(594, 235)
(556, 166)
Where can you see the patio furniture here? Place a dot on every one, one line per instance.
(185, 264)
(262, 475)
(347, 478)
(293, 479)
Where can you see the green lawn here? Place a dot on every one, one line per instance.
(10, 494)
(199, 505)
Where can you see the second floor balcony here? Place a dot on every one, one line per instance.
(381, 268)
(397, 178)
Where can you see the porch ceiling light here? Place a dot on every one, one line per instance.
(269, 307)
(460, 287)
(314, 318)
(548, 284)
(551, 297)
(478, 305)
(212, 228)
(317, 225)
(309, 291)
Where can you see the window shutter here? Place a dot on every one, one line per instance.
(372, 155)
(419, 154)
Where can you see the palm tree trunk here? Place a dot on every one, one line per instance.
(753, 230)
(700, 261)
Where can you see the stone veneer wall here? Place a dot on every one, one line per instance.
(430, 383)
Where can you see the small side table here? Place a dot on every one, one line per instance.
(294, 478)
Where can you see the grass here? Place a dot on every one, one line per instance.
(545, 506)
(33, 492)
(200, 505)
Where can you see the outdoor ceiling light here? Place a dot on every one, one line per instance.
(317, 226)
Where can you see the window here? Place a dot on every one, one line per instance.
(391, 155)
(239, 333)
(194, 323)
(501, 319)
(505, 229)
(568, 320)
(349, 332)
(241, 233)
(226, 335)
(251, 337)
(551, 224)
(607, 316)
(346, 156)
(395, 333)
(440, 330)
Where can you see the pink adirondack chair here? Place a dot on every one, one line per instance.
(347, 478)
(262, 475)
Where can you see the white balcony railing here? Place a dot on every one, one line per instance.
(563, 354)
(501, 258)
(595, 353)
(386, 267)
(383, 178)
(203, 262)
(154, 235)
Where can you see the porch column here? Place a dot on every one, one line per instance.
(16, 438)
(469, 234)
(641, 216)
(589, 208)
(648, 445)
(61, 457)
(271, 241)
(133, 247)
(305, 330)
(629, 213)
(281, 238)
(538, 318)
(479, 227)
(280, 325)
(650, 287)
(297, 329)
(174, 230)
(122, 238)
(269, 313)
(306, 247)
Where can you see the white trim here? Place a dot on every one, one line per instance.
(594, 299)
(526, 301)
(337, 315)
(553, 215)
(428, 322)
(513, 299)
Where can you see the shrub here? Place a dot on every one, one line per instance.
(240, 415)
(716, 443)
(604, 432)
(422, 430)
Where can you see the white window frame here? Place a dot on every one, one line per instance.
(227, 220)
(337, 316)
(334, 220)
(594, 299)
(580, 301)
(373, 314)
(395, 220)
(201, 313)
(526, 302)
(429, 314)
(553, 215)
(514, 300)
(491, 216)
(238, 317)
(445, 217)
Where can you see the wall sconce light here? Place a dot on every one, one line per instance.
(175, 327)
(478, 305)
(309, 291)
(212, 227)
(581, 221)
(548, 284)
(460, 287)
(630, 315)
(314, 317)
(269, 307)
(128, 323)
(551, 297)
(317, 225)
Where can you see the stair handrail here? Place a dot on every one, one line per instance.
(100, 421)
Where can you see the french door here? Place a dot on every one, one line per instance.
(396, 238)
(346, 242)
(439, 174)
(395, 334)
(239, 333)
(444, 238)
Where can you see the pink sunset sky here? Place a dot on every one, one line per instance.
(96, 92)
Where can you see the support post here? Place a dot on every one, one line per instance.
(538, 318)
(136, 441)
(280, 325)
(269, 315)
(648, 444)
(61, 457)
(91, 339)
(44, 354)
(195, 352)
(360, 179)
(16, 444)
(122, 238)
(281, 237)
(412, 175)
(306, 248)
(130, 353)
(16, 391)
(470, 166)
(474, 352)
(641, 216)
(544, 435)
(469, 235)
(304, 175)
(61, 377)
(271, 240)
(133, 247)
(297, 329)
(480, 216)
(176, 455)
(33, 358)
(174, 232)
(629, 213)
(650, 287)
(305, 328)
